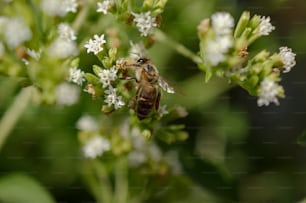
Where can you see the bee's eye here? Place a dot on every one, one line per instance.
(141, 61)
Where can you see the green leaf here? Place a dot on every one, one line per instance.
(91, 78)
(302, 139)
(209, 176)
(19, 188)
(208, 75)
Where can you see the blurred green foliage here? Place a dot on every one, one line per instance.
(235, 151)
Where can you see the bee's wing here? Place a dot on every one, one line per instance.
(165, 86)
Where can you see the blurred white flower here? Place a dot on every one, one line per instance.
(113, 99)
(154, 152)
(268, 92)
(104, 6)
(265, 26)
(54, 7)
(66, 32)
(136, 158)
(62, 48)
(288, 58)
(87, 123)
(163, 110)
(95, 45)
(173, 160)
(67, 94)
(16, 32)
(145, 23)
(222, 23)
(75, 76)
(3, 20)
(96, 146)
(108, 75)
(59, 7)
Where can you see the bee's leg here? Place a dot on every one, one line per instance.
(128, 78)
(157, 100)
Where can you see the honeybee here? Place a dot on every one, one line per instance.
(149, 87)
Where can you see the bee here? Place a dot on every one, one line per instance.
(149, 85)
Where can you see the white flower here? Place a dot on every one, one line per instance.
(87, 123)
(113, 99)
(67, 94)
(145, 23)
(95, 45)
(34, 54)
(265, 27)
(222, 23)
(268, 92)
(1, 49)
(137, 50)
(16, 32)
(62, 48)
(70, 6)
(287, 57)
(66, 32)
(217, 48)
(104, 6)
(96, 146)
(108, 75)
(75, 75)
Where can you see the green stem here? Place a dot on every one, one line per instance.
(79, 20)
(162, 37)
(104, 185)
(12, 115)
(121, 182)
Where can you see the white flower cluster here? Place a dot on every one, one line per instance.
(96, 146)
(113, 99)
(104, 6)
(15, 31)
(287, 58)
(95, 45)
(222, 24)
(76, 76)
(268, 92)
(108, 75)
(59, 7)
(265, 27)
(64, 45)
(145, 23)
